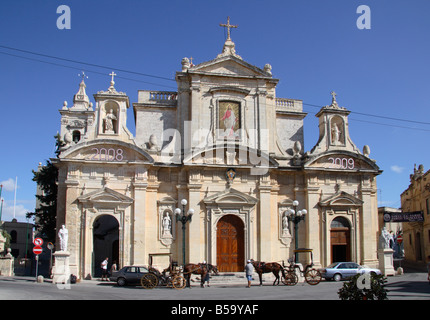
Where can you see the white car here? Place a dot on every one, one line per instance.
(343, 270)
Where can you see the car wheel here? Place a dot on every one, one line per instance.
(337, 277)
(121, 282)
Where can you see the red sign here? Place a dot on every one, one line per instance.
(37, 250)
(399, 239)
(38, 242)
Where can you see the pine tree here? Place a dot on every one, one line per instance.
(46, 215)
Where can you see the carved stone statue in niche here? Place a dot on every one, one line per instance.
(166, 230)
(167, 226)
(337, 134)
(109, 121)
(285, 225)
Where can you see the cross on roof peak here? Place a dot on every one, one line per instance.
(112, 74)
(82, 75)
(228, 26)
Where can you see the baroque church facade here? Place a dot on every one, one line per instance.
(226, 144)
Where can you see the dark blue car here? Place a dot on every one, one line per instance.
(129, 275)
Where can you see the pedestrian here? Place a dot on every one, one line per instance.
(428, 269)
(206, 279)
(104, 265)
(249, 269)
(114, 267)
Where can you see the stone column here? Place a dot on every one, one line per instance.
(315, 239)
(72, 221)
(369, 226)
(195, 250)
(139, 254)
(264, 220)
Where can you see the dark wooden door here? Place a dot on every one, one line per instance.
(230, 244)
(340, 244)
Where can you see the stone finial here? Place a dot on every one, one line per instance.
(268, 68)
(366, 150)
(185, 64)
(333, 100)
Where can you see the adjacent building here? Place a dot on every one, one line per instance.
(416, 198)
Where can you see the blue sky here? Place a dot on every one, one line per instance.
(313, 46)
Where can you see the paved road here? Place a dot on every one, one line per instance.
(408, 286)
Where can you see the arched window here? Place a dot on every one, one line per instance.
(76, 136)
(340, 222)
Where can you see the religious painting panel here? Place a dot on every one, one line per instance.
(229, 120)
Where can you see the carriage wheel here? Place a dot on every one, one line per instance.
(313, 277)
(290, 279)
(178, 282)
(149, 281)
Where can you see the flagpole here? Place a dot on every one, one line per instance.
(14, 199)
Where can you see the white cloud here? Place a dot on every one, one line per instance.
(397, 169)
(8, 185)
(7, 212)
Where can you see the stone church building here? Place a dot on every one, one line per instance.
(226, 144)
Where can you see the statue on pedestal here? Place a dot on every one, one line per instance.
(384, 239)
(63, 234)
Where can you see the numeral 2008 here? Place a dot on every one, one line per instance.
(104, 154)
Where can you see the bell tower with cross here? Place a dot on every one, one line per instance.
(111, 113)
(333, 126)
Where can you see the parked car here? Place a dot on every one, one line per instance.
(343, 270)
(129, 275)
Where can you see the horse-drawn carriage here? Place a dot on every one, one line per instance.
(312, 275)
(289, 274)
(169, 277)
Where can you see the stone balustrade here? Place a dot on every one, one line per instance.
(284, 104)
(158, 97)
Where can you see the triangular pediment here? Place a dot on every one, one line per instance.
(106, 151)
(106, 196)
(341, 161)
(229, 197)
(229, 66)
(341, 199)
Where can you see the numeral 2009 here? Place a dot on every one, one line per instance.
(110, 154)
(341, 163)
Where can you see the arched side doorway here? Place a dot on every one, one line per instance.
(230, 244)
(340, 240)
(105, 242)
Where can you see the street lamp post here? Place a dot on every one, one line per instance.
(295, 217)
(183, 218)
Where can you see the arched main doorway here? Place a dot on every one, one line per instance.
(105, 242)
(340, 238)
(230, 244)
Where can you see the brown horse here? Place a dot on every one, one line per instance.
(201, 269)
(265, 267)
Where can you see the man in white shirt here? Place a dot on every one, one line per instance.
(104, 265)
